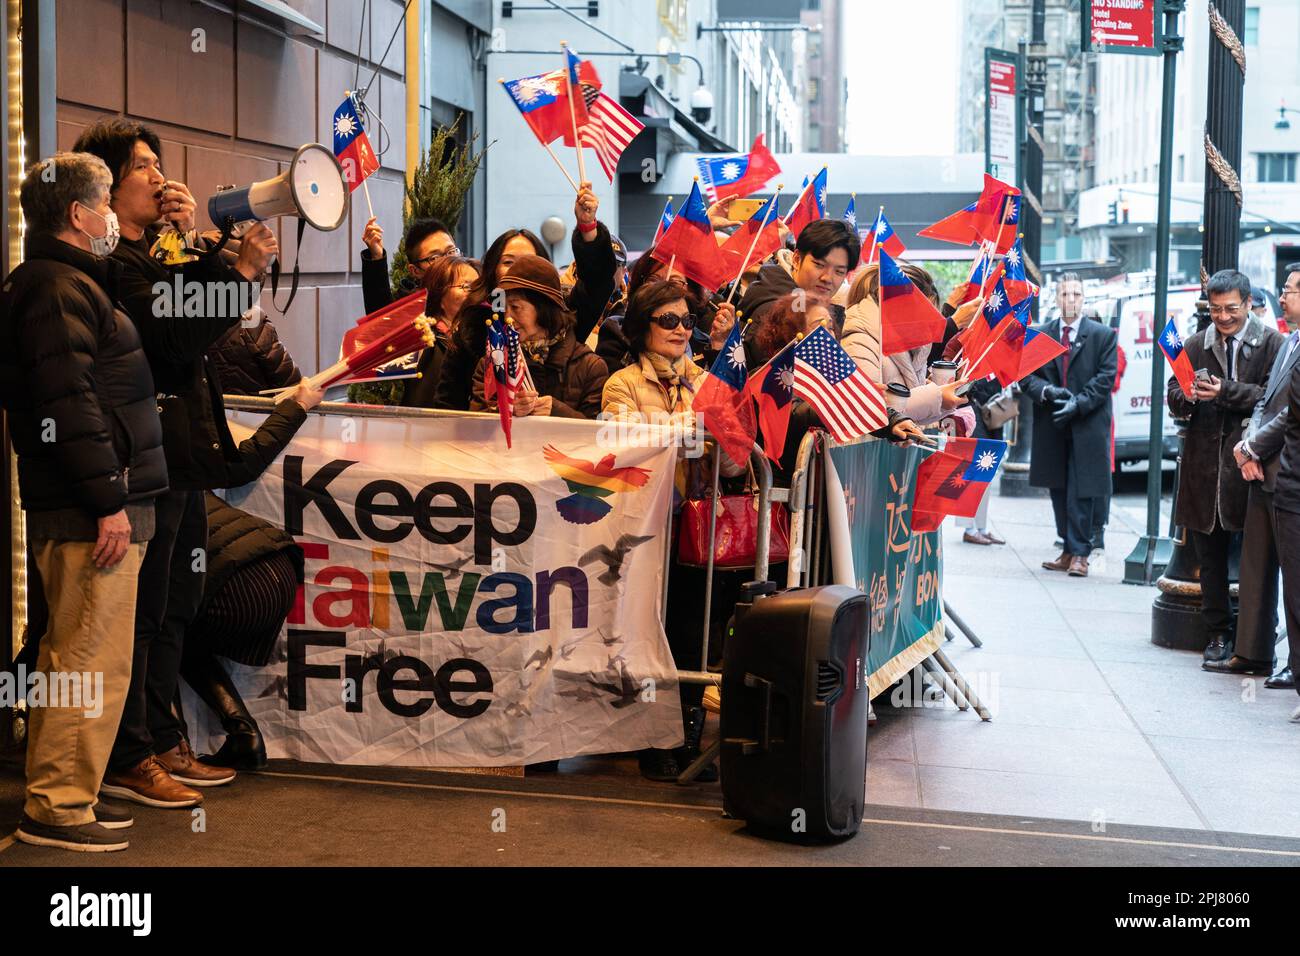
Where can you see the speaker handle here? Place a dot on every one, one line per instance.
(764, 741)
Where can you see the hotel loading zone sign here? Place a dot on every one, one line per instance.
(1122, 26)
(1001, 115)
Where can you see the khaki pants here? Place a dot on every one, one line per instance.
(91, 630)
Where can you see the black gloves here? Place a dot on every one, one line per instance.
(1065, 411)
(1055, 393)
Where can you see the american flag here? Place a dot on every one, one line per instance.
(608, 130)
(831, 382)
(505, 371)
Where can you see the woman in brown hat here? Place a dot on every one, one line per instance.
(568, 376)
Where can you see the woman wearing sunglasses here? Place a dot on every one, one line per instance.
(660, 384)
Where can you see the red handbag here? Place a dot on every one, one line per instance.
(736, 537)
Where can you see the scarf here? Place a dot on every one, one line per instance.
(672, 375)
(538, 349)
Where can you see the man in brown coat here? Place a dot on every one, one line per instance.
(1233, 357)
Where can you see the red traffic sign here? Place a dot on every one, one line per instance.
(1122, 26)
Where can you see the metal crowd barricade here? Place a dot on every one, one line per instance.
(810, 563)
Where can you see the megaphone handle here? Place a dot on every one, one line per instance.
(275, 273)
(227, 228)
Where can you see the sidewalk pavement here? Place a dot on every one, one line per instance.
(1091, 720)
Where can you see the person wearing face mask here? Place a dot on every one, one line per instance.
(78, 393)
(152, 763)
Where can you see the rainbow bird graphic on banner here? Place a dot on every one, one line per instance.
(591, 483)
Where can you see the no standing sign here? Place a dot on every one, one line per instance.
(1122, 26)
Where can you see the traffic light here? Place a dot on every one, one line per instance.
(1123, 211)
(1113, 213)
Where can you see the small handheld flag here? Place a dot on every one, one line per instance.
(503, 370)
(884, 237)
(851, 212)
(772, 386)
(954, 480)
(732, 176)
(351, 144)
(810, 206)
(1039, 349)
(722, 402)
(688, 244)
(907, 318)
(757, 238)
(665, 220)
(828, 379)
(1171, 343)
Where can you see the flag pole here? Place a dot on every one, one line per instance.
(767, 217)
(1006, 207)
(875, 235)
(573, 115)
(545, 146)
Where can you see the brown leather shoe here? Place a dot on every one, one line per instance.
(1078, 566)
(976, 537)
(148, 783)
(181, 763)
(1060, 564)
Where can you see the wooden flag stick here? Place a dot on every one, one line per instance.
(547, 147)
(573, 114)
(767, 217)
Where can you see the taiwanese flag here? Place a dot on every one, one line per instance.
(762, 224)
(544, 103)
(983, 219)
(810, 206)
(772, 387)
(352, 145)
(885, 238)
(953, 481)
(851, 212)
(1002, 355)
(577, 73)
(907, 318)
(1171, 343)
(1014, 278)
(722, 402)
(688, 244)
(503, 370)
(1039, 349)
(980, 332)
(665, 220)
(729, 177)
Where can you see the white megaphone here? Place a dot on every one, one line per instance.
(312, 189)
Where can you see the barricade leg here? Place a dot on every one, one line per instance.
(961, 625)
(945, 683)
(942, 660)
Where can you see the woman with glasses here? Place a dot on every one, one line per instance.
(449, 281)
(657, 387)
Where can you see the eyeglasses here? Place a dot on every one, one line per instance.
(1227, 310)
(433, 257)
(670, 320)
(1284, 292)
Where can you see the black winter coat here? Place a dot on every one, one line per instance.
(197, 442)
(1209, 481)
(236, 539)
(1081, 449)
(71, 358)
(249, 360)
(572, 375)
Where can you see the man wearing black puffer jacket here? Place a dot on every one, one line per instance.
(152, 763)
(76, 385)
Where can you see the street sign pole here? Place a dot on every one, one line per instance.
(1148, 558)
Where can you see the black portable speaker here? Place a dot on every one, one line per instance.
(794, 713)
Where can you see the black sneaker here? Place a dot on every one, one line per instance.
(111, 817)
(85, 838)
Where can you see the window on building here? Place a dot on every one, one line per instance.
(1276, 167)
(1252, 26)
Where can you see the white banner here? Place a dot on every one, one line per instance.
(465, 604)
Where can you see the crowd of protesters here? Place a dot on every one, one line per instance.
(118, 422)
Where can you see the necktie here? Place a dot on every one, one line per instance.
(1228, 370)
(1066, 335)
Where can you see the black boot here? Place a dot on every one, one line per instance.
(693, 728)
(243, 748)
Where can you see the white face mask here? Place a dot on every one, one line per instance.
(104, 245)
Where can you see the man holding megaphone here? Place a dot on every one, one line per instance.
(151, 762)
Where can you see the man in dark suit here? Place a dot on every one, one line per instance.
(1071, 438)
(1233, 357)
(1286, 516)
(1259, 457)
